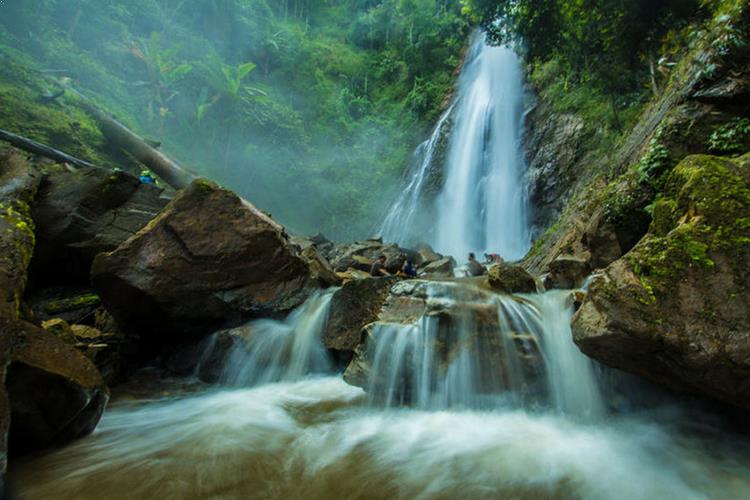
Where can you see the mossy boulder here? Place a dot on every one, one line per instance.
(209, 259)
(19, 181)
(676, 309)
(509, 278)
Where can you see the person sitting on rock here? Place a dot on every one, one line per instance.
(378, 267)
(474, 268)
(407, 270)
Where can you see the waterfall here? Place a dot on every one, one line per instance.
(484, 353)
(405, 221)
(266, 350)
(482, 205)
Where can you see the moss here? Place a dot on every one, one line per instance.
(24, 112)
(702, 213)
(72, 304)
(663, 216)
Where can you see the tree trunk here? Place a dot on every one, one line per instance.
(167, 169)
(42, 150)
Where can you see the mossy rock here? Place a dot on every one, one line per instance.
(676, 309)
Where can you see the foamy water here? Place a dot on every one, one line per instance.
(313, 439)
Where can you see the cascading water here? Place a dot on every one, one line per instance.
(478, 350)
(295, 436)
(267, 351)
(408, 217)
(474, 395)
(482, 205)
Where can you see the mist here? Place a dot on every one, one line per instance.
(308, 109)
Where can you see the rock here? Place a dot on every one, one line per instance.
(208, 259)
(553, 143)
(675, 309)
(5, 358)
(509, 278)
(56, 394)
(324, 245)
(457, 317)
(566, 272)
(81, 213)
(426, 256)
(362, 254)
(60, 329)
(355, 305)
(70, 304)
(320, 269)
(86, 333)
(18, 186)
(353, 274)
(442, 268)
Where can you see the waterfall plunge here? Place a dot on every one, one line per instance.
(482, 205)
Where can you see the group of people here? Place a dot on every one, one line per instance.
(408, 270)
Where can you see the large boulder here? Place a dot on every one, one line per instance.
(19, 181)
(675, 310)
(510, 278)
(83, 212)
(362, 254)
(441, 268)
(208, 259)
(355, 305)
(56, 395)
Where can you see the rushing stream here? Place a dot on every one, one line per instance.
(482, 205)
(275, 429)
(481, 396)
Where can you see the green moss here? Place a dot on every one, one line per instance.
(663, 211)
(703, 212)
(63, 305)
(23, 111)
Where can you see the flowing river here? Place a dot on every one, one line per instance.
(282, 425)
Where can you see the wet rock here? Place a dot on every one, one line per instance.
(361, 255)
(553, 143)
(81, 213)
(454, 319)
(19, 181)
(320, 269)
(355, 305)
(208, 259)
(426, 256)
(566, 272)
(441, 268)
(509, 278)
(60, 329)
(56, 395)
(353, 274)
(675, 309)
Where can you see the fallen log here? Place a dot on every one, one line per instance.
(167, 169)
(40, 149)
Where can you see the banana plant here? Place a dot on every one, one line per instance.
(164, 71)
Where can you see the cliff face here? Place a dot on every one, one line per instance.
(663, 224)
(597, 205)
